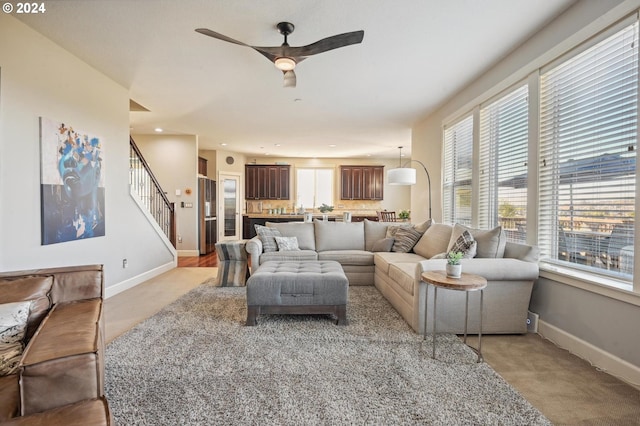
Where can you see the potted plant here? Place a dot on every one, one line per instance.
(454, 268)
(325, 208)
(404, 215)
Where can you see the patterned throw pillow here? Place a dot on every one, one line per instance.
(465, 244)
(13, 326)
(405, 238)
(287, 243)
(267, 236)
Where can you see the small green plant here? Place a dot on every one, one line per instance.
(404, 214)
(325, 208)
(454, 257)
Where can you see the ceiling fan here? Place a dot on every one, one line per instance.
(286, 57)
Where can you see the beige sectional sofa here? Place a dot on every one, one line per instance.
(510, 269)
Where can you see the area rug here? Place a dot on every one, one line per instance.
(196, 363)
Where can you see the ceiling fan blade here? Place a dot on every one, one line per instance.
(326, 44)
(219, 36)
(289, 79)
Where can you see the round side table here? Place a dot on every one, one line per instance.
(466, 283)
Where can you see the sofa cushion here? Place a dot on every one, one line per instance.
(339, 235)
(35, 289)
(268, 238)
(287, 243)
(491, 242)
(403, 274)
(13, 326)
(348, 257)
(385, 244)
(9, 397)
(435, 240)
(304, 232)
(405, 238)
(373, 232)
(296, 255)
(383, 260)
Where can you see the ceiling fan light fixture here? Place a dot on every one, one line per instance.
(285, 64)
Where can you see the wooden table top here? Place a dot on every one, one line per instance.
(466, 282)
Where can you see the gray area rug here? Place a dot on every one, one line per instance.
(195, 363)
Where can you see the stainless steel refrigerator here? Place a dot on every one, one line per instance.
(207, 228)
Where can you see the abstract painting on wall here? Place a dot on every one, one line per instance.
(71, 183)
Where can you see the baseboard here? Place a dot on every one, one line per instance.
(597, 357)
(112, 290)
(188, 253)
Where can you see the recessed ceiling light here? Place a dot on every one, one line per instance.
(223, 144)
(158, 130)
(333, 145)
(277, 144)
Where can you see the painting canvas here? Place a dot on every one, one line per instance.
(71, 183)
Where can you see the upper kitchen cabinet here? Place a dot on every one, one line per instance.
(267, 182)
(361, 182)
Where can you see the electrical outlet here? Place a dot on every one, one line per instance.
(124, 263)
(179, 238)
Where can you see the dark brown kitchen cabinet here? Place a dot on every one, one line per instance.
(362, 182)
(202, 166)
(267, 182)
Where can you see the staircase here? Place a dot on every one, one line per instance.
(145, 185)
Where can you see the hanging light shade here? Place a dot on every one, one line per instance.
(402, 176)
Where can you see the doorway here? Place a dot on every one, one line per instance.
(229, 210)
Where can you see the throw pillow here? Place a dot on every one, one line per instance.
(287, 243)
(13, 326)
(405, 238)
(383, 245)
(491, 242)
(392, 229)
(267, 236)
(434, 241)
(465, 244)
(422, 227)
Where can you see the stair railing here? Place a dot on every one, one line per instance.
(146, 186)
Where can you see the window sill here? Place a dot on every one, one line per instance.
(599, 284)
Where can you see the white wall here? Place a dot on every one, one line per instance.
(174, 162)
(576, 316)
(40, 79)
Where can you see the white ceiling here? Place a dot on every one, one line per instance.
(362, 98)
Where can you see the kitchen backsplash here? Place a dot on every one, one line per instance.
(353, 206)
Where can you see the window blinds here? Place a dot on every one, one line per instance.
(458, 150)
(588, 119)
(503, 163)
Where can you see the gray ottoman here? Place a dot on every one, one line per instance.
(309, 287)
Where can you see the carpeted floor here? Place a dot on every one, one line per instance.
(196, 363)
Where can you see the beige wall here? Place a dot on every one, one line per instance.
(40, 79)
(174, 162)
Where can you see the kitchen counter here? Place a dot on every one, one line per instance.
(250, 220)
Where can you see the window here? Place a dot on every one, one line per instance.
(503, 164)
(588, 131)
(314, 187)
(458, 150)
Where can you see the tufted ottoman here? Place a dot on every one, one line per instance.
(289, 287)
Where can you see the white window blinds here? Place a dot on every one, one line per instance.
(458, 150)
(503, 164)
(588, 107)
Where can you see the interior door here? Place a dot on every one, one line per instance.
(229, 217)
